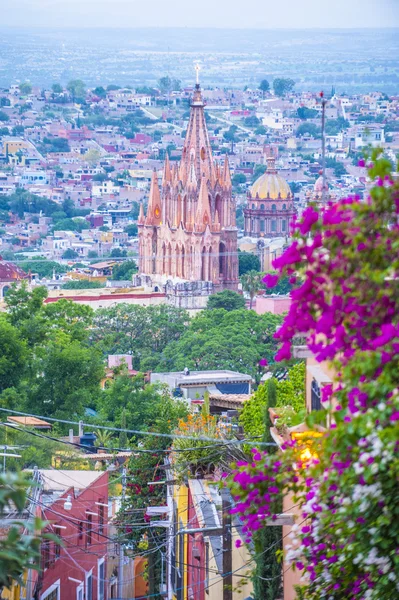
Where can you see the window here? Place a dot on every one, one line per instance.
(80, 531)
(274, 207)
(46, 554)
(262, 225)
(89, 530)
(253, 207)
(100, 520)
(57, 549)
(262, 207)
(52, 593)
(315, 396)
(79, 592)
(284, 207)
(101, 579)
(89, 587)
(283, 225)
(274, 225)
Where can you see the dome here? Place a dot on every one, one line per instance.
(270, 184)
(318, 186)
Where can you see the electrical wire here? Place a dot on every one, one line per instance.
(138, 432)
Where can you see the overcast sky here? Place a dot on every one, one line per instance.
(203, 13)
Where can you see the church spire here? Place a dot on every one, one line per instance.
(226, 173)
(167, 175)
(154, 215)
(203, 216)
(141, 219)
(197, 147)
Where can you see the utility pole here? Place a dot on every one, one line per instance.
(227, 554)
(121, 551)
(323, 147)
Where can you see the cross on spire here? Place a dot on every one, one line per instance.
(197, 70)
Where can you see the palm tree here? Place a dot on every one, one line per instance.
(103, 438)
(251, 283)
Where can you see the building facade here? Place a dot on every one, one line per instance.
(270, 205)
(189, 233)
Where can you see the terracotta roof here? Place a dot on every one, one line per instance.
(30, 422)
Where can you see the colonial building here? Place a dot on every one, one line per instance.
(270, 205)
(188, 239)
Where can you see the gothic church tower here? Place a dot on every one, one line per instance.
(189, 233)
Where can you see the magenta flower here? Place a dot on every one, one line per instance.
(270, 280)
(263, 362)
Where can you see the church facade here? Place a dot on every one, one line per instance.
(188, 238)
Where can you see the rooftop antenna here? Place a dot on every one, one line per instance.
(323, 147)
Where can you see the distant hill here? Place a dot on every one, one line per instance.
(351, 60)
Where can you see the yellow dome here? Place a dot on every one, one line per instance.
(270, 184)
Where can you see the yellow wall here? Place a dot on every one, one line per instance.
(14, 145)
(180, 497)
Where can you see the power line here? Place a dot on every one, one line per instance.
(138, 432)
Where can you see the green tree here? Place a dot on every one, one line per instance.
(166, 84)
(283, 86)
(24, 311)
(68, 378)
(124, 270)
(13, 355)
(131, 230)
(308, 129)
(76, 224)
(118, 253)
(261, 130)
(25, 88)
(70, 254)
(77, 89)
(44, 268)
(100, 92)
(4, 116)
(143, 332)
(264, 86)
(231, 136)
(304, 113)
(220, 339)
(19, 546)
(247, 262)
(252, 284)
(239, 178)
(226, 299)
(251, 121)
(339, 168)
(57, 88)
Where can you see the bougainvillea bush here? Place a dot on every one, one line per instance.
(346, 542)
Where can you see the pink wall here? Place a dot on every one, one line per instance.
(273, 304)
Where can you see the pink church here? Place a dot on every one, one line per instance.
(189, 233)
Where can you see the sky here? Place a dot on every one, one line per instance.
(262, 14)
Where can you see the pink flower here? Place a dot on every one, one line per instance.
(284, 353)
(263, 362)
(394, 416)
(270, 280)
(238, 543)
(361, 163)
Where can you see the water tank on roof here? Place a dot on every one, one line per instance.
(87, 440)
